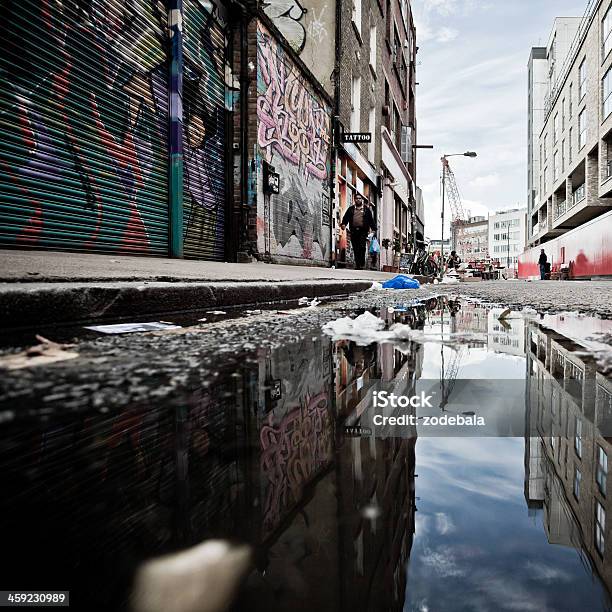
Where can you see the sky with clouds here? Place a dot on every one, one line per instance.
(472, 95)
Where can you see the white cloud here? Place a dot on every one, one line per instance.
(442, 561)
(445, 35)
(488, 180)
(444, 523)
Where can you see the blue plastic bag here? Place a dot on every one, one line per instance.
(401, 281)
(374, 246)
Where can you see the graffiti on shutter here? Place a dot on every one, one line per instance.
(204, 103)
(83, 133)
(294, 135)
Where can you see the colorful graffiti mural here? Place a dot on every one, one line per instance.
(83, 136)
(204, 131)
(309, 27)
(294, 135)
(287, 16)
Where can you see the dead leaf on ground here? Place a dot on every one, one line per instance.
(44, 353)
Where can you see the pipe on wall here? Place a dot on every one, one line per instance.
(175, 167)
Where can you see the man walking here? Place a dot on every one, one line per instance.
(542, 263)
(360, 222)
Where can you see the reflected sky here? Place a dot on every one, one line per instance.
(475, 546)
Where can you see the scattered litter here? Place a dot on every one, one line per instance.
(304, 301)
(450, 280)
(202, 320)
(129, 328)
(368, 329)
(286, 312)
(44, 353)
(376, 286)
(363, 329)
(401, 281)
(254, 312)
(217, 312)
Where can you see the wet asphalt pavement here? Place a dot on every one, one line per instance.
(115, 370)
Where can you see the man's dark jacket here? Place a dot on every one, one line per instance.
(543, 259)
(368, 219)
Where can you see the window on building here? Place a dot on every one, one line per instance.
(373, 47)
(372, 130)
(582, 77)
(570, 108)
(398, 129)
(357, 14)
(563, 155)
(578, 438)
(563, 114)
(545, 147)
(607, 93)
(602, 470)
(600, 528)
(582, 132)
(540, 157)
(556, 165)
(577, 482)
(569, 145)
(556, 128)
(607, 33)
(356, 104)
(388, 119)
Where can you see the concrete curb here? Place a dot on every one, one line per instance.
(34, 304)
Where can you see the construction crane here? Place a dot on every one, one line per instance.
(449, 185)
(458, 218)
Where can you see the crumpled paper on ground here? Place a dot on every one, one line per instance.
(369, 329)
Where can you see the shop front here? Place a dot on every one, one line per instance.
(355, 175)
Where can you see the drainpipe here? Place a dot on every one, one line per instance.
(335, 124)
(175, 166)
(244, 133)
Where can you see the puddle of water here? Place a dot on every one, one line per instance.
(338, 522)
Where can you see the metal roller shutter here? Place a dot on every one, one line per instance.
(84, 125)
(203, 132)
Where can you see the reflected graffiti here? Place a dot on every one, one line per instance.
(292, 453)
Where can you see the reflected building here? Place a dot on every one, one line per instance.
(258, 453)
(567, 446)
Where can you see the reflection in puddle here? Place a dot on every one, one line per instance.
(260, 454)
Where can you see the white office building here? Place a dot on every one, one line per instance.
(507, 236)
(537, 92)
(544, 71)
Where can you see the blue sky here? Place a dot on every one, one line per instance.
(472, 95)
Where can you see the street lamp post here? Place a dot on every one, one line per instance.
(443, 160)
(508, 247)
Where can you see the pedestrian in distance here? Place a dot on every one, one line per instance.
(542, 262)
(454, 260)
(360, 222)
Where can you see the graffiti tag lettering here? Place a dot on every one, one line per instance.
(292, 121)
